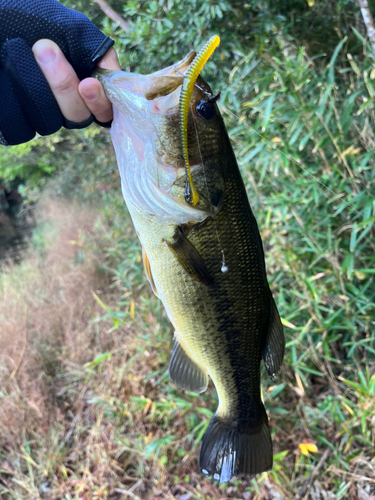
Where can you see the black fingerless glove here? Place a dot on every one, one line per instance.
(27, 104)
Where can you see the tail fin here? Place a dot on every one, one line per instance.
(228, 450)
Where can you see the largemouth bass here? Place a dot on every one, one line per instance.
(205, 260)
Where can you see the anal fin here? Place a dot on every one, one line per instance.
(189, 258)
(274, 346)
(147, 267)
(184, 372)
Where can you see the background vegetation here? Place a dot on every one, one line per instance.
(86, 407)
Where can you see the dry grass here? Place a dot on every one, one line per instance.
(45, 311)
(86, 407)
(46, 306)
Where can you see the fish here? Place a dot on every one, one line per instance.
(204, 260)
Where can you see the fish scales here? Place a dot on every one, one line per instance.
(225, 322)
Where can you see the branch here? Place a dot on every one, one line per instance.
(112, 14)
(369, 22)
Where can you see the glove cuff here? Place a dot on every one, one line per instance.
(102, 50)
(72, 125)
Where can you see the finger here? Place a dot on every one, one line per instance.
(62, 79)
(110, 61)
(92, 93)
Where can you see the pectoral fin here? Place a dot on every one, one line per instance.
(273, 350)
(189, 258)
(184, 372)
(147, 267)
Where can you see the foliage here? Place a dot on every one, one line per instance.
(29, 166)
(298, 94)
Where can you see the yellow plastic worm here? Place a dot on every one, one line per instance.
(191, 194)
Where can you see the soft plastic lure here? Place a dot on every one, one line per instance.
(191, 194)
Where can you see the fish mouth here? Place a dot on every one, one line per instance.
(146, 136)
(122, 86)
(158, 84)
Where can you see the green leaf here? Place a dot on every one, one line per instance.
(366, 271)
(268, 110)
(353, 238)
(323, 100)
(353, 64)
(331, 66)
(364, 106)
(304, 140)
(358, 35)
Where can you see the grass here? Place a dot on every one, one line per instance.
(87, 410)
(86, 407)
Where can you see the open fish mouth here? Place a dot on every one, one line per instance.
(120, 85)
(146, 136)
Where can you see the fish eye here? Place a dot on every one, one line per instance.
(206, 109)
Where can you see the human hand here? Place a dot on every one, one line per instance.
(76, 100)
(31, 102)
